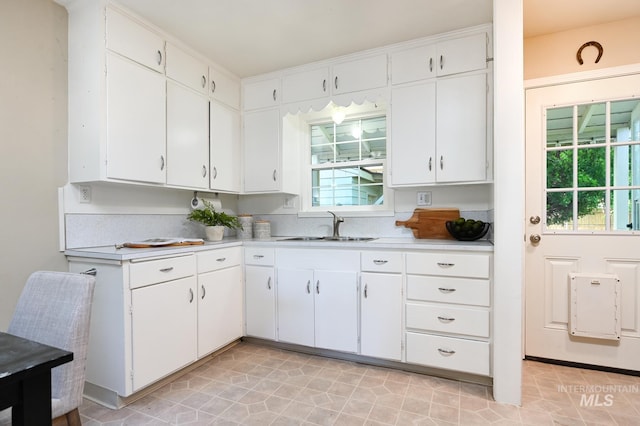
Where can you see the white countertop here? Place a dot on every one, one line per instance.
(113, 253)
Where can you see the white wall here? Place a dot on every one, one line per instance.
(33, 141)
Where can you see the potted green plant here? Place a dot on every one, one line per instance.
(214, 222)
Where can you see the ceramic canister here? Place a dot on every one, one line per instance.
(246, 220)
(261, 229)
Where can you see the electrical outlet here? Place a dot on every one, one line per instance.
(423, 198)
(85, 193)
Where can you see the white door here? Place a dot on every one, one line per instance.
(224, 142)
(260, 302)
(381, 318)
(336, 310)
(295, 306)
(582, 190)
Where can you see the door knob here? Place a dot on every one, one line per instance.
(534, 238)
(534, 219)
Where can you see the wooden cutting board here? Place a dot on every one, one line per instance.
(430, 223)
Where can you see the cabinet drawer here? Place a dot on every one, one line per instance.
(448, 319)
(379, 261)
(450, 353)
(258, 256)
(449, 264)
(465, 291)
(219, 259)
(161, 270)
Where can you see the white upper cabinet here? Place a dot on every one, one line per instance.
(360, 74)
(224, 88)
(187, 137)
(306, 85)
(134, 41)
(224, 148)
(262, 94)
(186, 69)
(262, 165)
(446, 57)
(135, 127)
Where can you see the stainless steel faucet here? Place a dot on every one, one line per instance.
(337, 220)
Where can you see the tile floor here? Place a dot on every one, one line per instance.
(257, 385)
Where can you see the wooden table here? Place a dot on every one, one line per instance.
(25, 378)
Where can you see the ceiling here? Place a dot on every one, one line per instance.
(250, 37)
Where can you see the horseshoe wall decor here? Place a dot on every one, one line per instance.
(590, 43)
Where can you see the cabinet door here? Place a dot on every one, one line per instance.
(295, 306)
(261, 151)
(224, 89)
(336, 310)
(461, 129)
(413, 126)
(381, 315)
(219, 309)
(186, 69)
(136, 126)
(163, 321)
(414, 64)
(187, 137)
(462, 54)
(361, 74)
(305, 85)
(261, 94)
(134, 41)
(260, 302)
(224, 148)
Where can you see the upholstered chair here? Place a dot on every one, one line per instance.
(54, 309)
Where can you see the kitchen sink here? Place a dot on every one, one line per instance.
(353, 239)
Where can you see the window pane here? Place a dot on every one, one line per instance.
(622, 173)
(624, 210)
(623, 114)
(347, 151)
(348, 186)
(591, 211)
(591, 167)
(559, 126)
(560, 210)
(560, 168)
(591, 123)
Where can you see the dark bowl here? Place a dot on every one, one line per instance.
(481, 232)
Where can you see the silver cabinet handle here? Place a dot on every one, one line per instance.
(92, 271)
(380, 261)
(221, 259)
(269, 283)
(275, 174)
(431, 64)
(274, 95)
(430, 160)
(441, 61)
(159, 57)
(446, 319)
(169, 269)
(324, 85)
(446, 290)
(213, 86)
(318, 287)
(215, 172)
(441, 162)
(446, 351)
(203, 292)
(190, 295)
(445, 264)
(162, 162)
(204, 81)
(258, 256)
(335, 82)
(204, 171)
(366, 287)
(309, 287)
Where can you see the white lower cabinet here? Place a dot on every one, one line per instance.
(152, 317)
(317, 298)
(260, 299)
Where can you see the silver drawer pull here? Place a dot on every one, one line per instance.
(190, 295)
(309, 287)
(258, 256)
(169, 269)
(445, 264)
(204, 292)
(380, 261)
(446, 319)
(221, 259)
(269, 283)
(446, 290)
(92, 271)
(446, 351)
